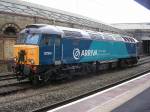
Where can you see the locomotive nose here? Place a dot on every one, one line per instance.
(26, 54)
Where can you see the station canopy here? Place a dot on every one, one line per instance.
(26, 8)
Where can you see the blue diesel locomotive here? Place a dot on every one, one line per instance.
(44, 52)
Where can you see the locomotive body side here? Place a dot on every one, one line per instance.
(48, 52)
(84, 50)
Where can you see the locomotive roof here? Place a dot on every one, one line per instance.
(41, 28)
(76, 33)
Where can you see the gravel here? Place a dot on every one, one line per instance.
(33, 98)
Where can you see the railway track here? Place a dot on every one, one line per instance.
(13, 88)
(16, 86)
(144, 60)
(7, 77)
(87, 94)
(49, 107)
(9, 84)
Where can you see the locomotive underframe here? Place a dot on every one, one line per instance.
(44, 73)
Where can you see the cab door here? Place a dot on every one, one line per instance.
(57, 49)
(46, 49)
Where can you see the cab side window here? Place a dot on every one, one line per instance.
(46, 40)
(57, 41)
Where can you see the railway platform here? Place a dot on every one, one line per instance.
(131, 96)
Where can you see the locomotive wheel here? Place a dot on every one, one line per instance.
(110, 66)
(34, 80)
(46, 77)
(69, 75)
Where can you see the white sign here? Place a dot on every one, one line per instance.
(47, 53)
(78, 53)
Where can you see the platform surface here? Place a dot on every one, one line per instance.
(140, 103)
(114, 99)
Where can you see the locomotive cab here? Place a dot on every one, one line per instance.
(50, 48)
(34, 50)
(26, 50)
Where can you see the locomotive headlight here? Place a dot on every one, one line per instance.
(15, 59)
(32, 61)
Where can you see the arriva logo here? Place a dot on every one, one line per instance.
(78, 53)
